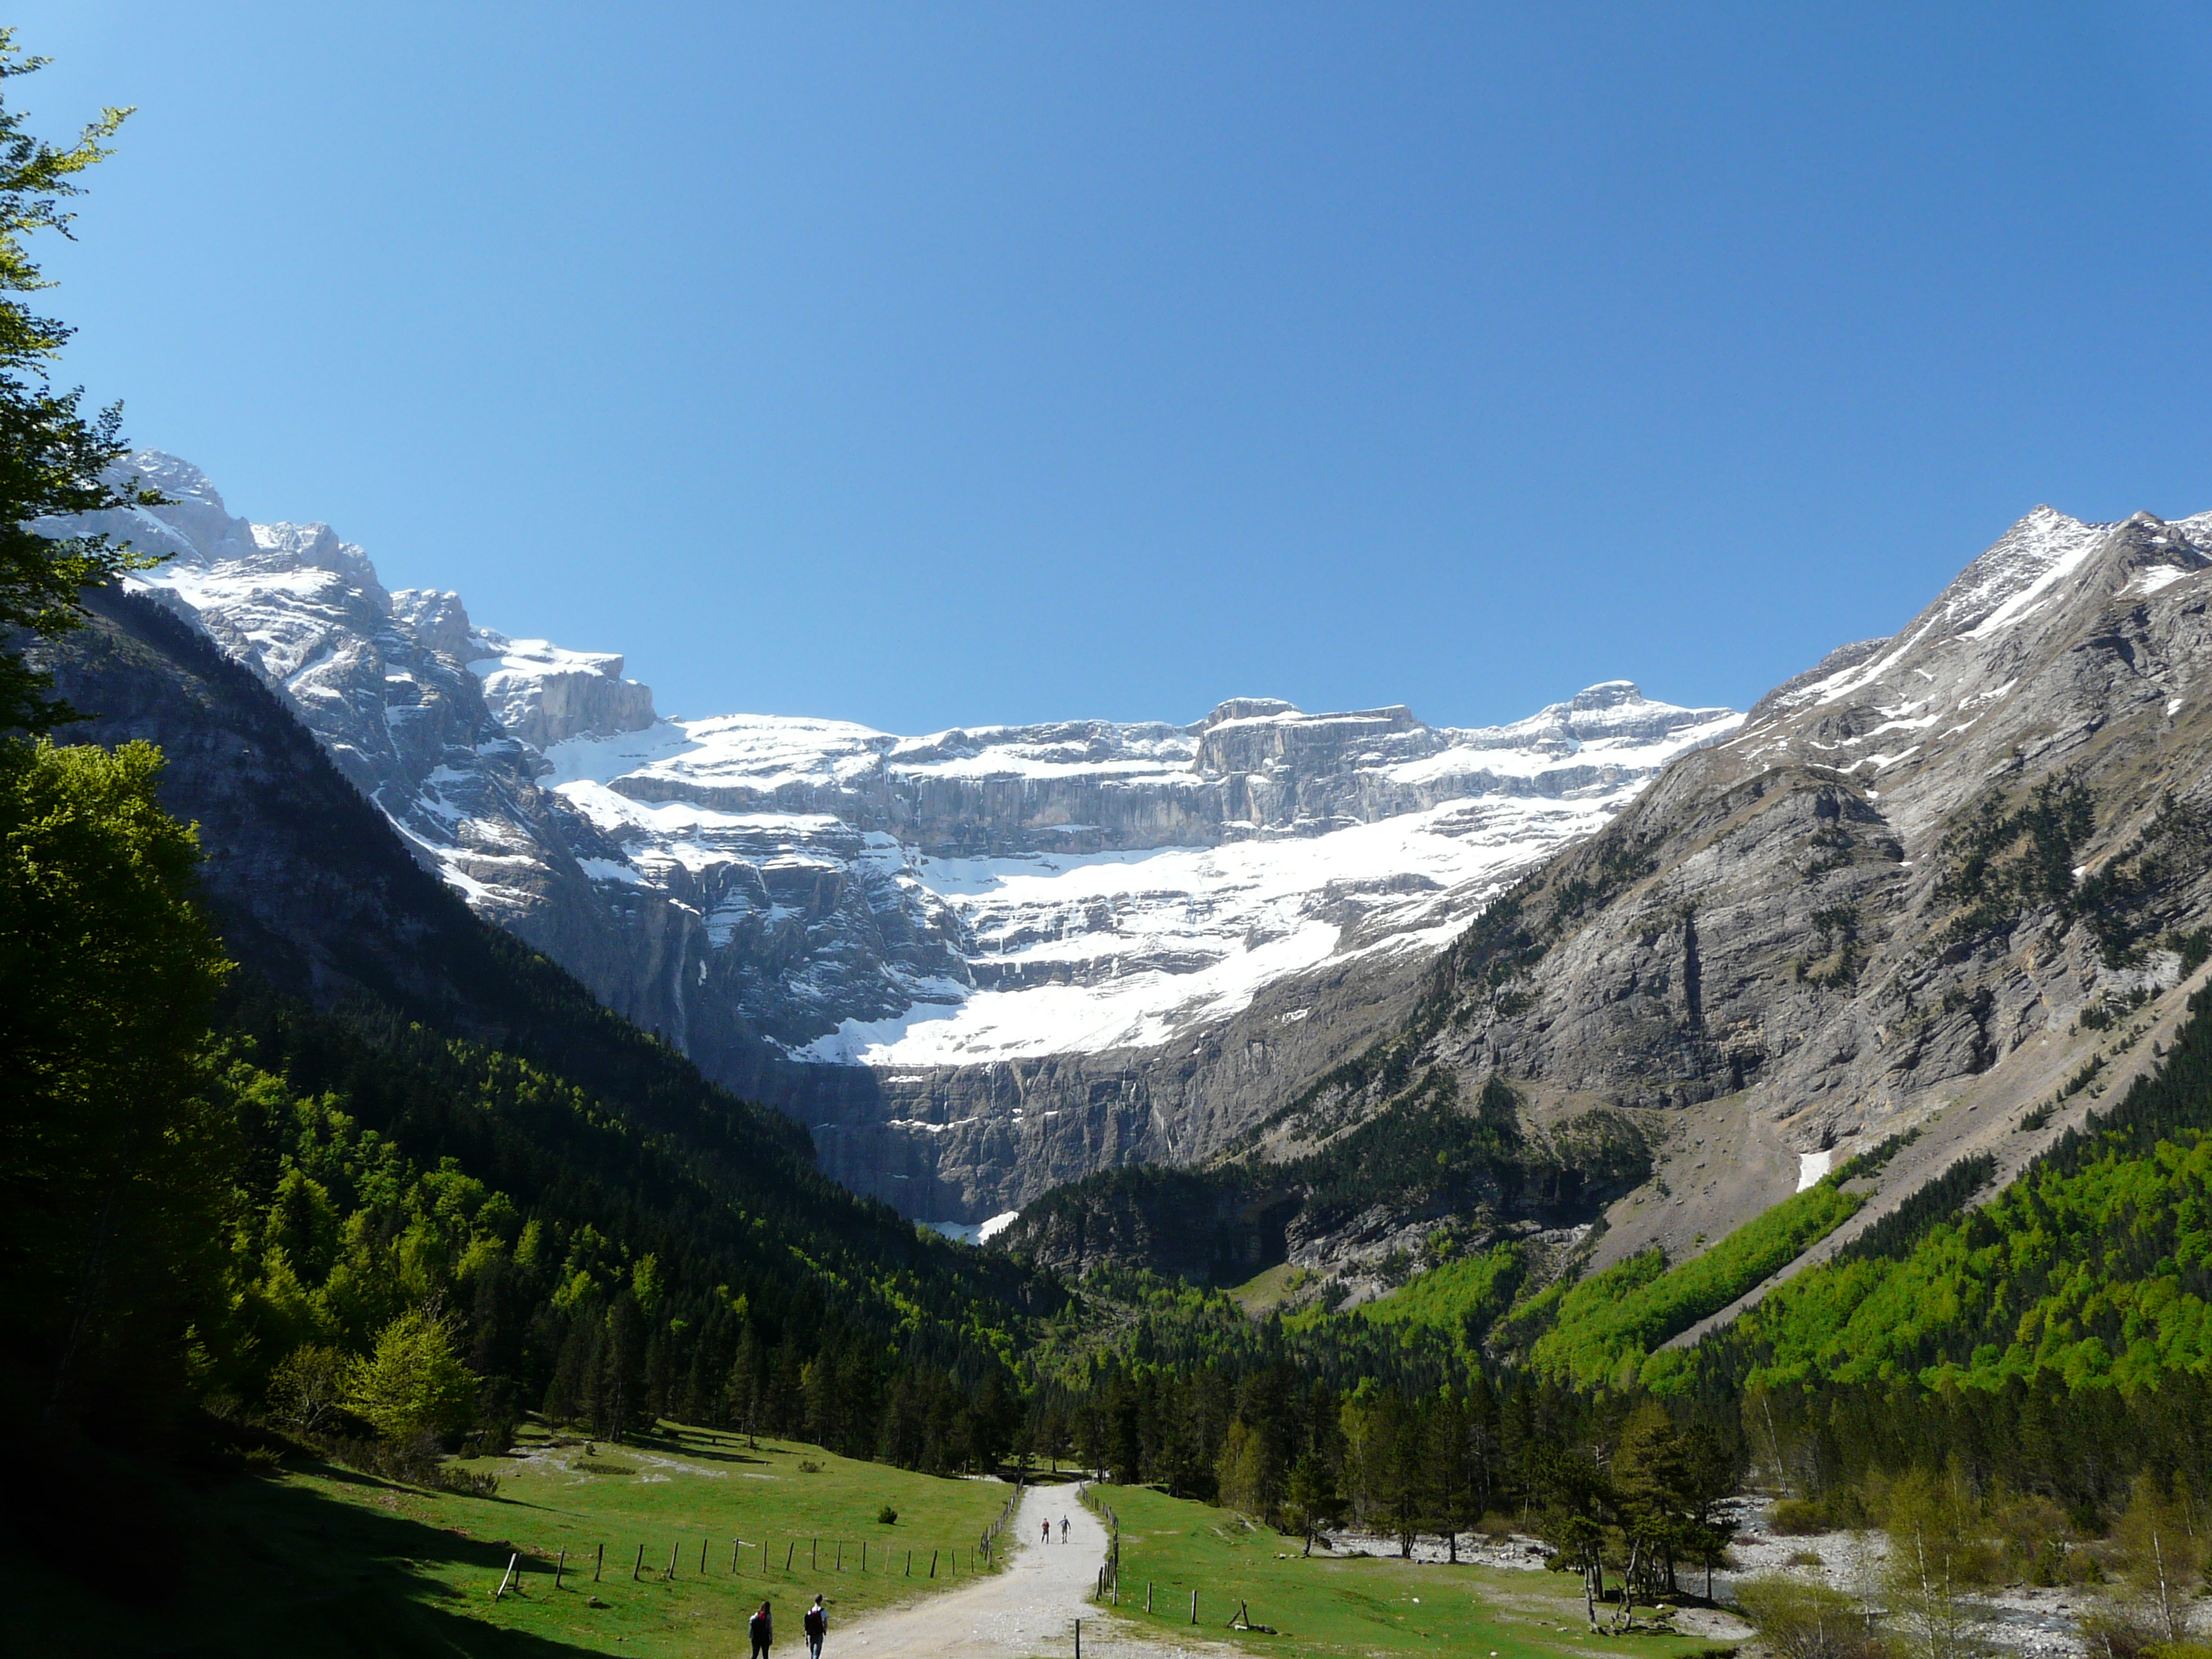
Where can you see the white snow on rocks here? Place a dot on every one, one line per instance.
(979, 893)
(1072, 946)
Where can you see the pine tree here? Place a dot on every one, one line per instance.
(53, 457)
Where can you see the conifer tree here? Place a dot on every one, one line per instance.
(53, 456)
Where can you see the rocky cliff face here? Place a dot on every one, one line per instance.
(394, 686)
(1943, 884)
(979, 960)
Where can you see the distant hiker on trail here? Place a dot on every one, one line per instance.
(762, 1628)
(817, 1626)
(1047, 1530)
(1063, 1528)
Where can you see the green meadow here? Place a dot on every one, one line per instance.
(1324, 1605)
(319, 1560)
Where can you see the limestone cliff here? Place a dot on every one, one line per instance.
(1947, 884)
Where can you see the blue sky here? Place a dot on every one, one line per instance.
(926, 365)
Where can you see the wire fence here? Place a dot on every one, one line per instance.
(756, 1558)
(989, 1543)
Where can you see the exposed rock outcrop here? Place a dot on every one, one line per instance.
(984, 959)
(1915, 892)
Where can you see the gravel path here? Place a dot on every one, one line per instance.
(1027, 1612)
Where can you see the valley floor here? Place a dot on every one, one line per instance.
(1030, 1608)
(664, 1544)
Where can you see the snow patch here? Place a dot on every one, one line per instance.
(976, 1232)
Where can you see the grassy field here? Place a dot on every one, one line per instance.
(1323, 1605)
(323, 1561)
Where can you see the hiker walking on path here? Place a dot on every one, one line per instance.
(1063, 1528)
(817, 1626)
(1028, 1606)
(1047, 1529)
(762, 1628)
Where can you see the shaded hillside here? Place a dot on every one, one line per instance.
(386, 1045)
(1402, 1188)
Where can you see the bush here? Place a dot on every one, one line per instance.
(308, 1387)
(1798, 1620)
(808, 1466)
(466, 1482)
(417, 1462)
(887, 1516)
(2122, 1631)
(1795, 1517)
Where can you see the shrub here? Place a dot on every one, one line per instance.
(2122, 1631)
(887, 1516)
(1794, 1518)
(1798, 1620)
(308, 1387)
(417, 1462)
(808, 1466)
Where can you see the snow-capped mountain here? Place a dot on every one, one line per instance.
(1088, 885)
(861, 924)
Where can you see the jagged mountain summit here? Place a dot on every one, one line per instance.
(1935, 897)
(930, 947)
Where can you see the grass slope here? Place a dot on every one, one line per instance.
(1324, 1605)
(322, 1560)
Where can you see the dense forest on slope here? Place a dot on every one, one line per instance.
(2093, 1269)
(1430, 1157)
(603, 1232)
(1600, 1332)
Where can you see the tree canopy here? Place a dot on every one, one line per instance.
(54, 456)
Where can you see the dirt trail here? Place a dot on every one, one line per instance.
(1027, 1612)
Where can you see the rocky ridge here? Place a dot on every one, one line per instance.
(978, 961)
(1950, 886)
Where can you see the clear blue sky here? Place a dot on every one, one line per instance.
(924, 366)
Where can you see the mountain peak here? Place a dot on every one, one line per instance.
(1248, 708)
(1606, 693)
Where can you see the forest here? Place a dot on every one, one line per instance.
(237, 1220)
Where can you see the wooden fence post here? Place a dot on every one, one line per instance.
(559, 1563)
(789, 1550)
(841, 1556)
(601, 1565)
(813, 1549)
(672, 1550)
(1078, 1639)
(1193, 1607)
(703, 1558)
(932, 1563)
(638, 1566)
(504, 1577)
(909, 1564)
(734, 1544)
(1148, 1596)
